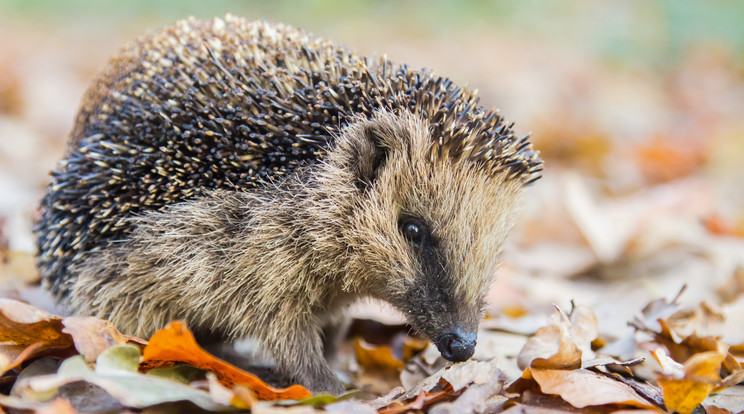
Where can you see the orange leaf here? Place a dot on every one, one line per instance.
(376, 357)
(665, 158)
(685, 387)
(175, 343)
(715, 224)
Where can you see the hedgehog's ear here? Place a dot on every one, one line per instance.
(370, 155)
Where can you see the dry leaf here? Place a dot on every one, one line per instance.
(92, 336)
(686, 386)
(563, 344)
(24, 324)
(666, 158)
(376, 357)
(731, 399)
(582, 388)
(422, 401)
(26, 332)
(176, 344)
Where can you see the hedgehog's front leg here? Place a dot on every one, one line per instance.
(297, 348)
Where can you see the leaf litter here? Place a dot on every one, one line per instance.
(588, 313)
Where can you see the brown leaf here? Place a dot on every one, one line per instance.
(176, 344)
(92, 336)
(563, 344)
(24, 324)
(582, 388)
(422, 401)
(28, 332)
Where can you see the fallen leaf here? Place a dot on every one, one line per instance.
(477, 398)
(686, 386)
(731, 399)
(376, 357)
(562, 345)
(458, 376)
(422, 401)
(116, 373)
(350, 406)
(658, 309)
(92, 336)
(24, 324)
(413, 346)
(6, 364)
(176, 344)
(26, 332)
(666, 158)
(582, 388)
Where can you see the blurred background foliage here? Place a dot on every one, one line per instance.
(630, 96)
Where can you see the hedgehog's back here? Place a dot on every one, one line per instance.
(197, 106)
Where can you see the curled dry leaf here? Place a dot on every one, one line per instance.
(564, 343)
(26, 331)
(658, 309)
(92, 336)
(24, 324)
(686, 386)
(176, 344)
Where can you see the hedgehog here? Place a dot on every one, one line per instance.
(254, 180)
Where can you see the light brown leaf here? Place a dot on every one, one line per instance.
(582, 388)
(24, 324)
(563, 344)
(92, 336)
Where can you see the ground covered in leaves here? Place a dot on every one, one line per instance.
(621, 289)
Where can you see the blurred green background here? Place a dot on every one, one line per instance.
(629, 94)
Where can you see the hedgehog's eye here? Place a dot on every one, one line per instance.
(413, 231)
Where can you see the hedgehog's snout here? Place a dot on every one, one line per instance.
(456, 345)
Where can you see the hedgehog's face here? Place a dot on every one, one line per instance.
(427, 231)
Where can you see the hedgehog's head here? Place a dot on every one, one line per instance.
(433, 205)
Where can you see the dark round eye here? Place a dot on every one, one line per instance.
(413, 232)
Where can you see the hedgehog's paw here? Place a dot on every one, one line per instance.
(324, 381)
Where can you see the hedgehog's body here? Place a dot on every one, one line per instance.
(253, 180)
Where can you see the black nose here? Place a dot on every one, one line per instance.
(457, 346)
